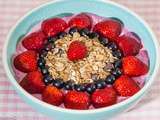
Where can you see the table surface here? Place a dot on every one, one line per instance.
(11, 105)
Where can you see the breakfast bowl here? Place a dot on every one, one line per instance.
(64, 8)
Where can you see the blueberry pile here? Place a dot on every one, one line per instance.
(70, 85)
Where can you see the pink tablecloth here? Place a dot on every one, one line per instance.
(11, 105)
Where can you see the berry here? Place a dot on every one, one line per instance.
(93, 35)
(104, 97)
(43, 54)
(52, 95)
(90, 88)
(125, 86)
(41, 62)
(116, 72)
(53, 26)
(103, 41)
(68, 85)
(108, 28)
(26, 61)
(48, 79)
(33, 82)
(118, 64)
(61, 35)
(77, 50)
(117, 53)
(112, 46)
(34, 41)
(58, 83)
(52, 39)
(77, 100)
(100, 84)
(110, 79)
(132, 66)
(80, 21)
(73, 30)
(44, 71)
(80, 88)
(84, 32)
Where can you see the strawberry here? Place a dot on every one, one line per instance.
(33, 82)
(77, 100)
(104, 97)
(77, 50)
(129, 45)
(34, 41)
(81, 21)
(125, 86)
(53, 26)
(132, 66)
(26, 61)
(52, 95)
(108, 28)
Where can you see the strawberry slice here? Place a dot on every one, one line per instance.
(104, 97)
(34, 41)
(33, 82)
(125, 86)
(132, 66)
(129, 45)
(77, 100)
(53, 26)
(80, 21)
(109, 28)
(52, 95)
(26, 61)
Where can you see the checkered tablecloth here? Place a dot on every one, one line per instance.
(11, 105)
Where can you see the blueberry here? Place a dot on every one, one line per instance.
(118, 63)
(68, 85)
(93, 35)
(117, 72)
(117, 54)
(61, 35)
(48, 79)
(73, 30)
(58, 83)
(112, 46)
(90, 88)
(110, 79)
(44, 71)
(52, 39)
(84, 32)
(117, 19)
(135, 35)
(100, 84)
(80, 88)
(103, 41)
(41, 62)
(43, 54)
(49, 47)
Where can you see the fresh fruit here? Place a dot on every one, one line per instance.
(33, 82)
(125, 86)
(34, 41)
(77, 50)
(52, 95)
(104, 97)
(81, 21)
(108, 28)
(26, 61)
(53, 26)
(129, 45)
(132, 66)
(77, 100)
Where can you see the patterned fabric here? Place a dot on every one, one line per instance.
(12, 10)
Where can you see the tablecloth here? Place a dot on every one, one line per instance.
(11, 105)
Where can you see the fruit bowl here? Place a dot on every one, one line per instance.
(100, 8)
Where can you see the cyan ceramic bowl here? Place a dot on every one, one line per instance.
(99, 7)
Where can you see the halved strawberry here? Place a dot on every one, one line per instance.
(132, 66)
(52, 95)
(26, 61)
(129, 45)
(109, 28)
(125, 86)
(33, 82)
(77, 100)
(53, 26)
(34, 41)
(104, 97)
(80, 21)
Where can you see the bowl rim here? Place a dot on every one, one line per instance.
(51, 107)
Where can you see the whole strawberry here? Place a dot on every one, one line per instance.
(125, 86)
(81, 21)
(52, 95)
(104, 97)
(33, 82)
(34, 41)
(77, 50)
(26, 61)
(132, 66)
(109, 28)
(53, 26)
(77, 100)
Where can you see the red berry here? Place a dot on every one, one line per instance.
(33, 82)
(81, 21)
(104, 97)
(53, 26)
(77, 50)
(132, 66)
(125, 86)
(34, 41)
(108, 28)
(52, 95)
(26, 61)
(77, 100)
(129, 45)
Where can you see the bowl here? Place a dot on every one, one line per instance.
(66, 7)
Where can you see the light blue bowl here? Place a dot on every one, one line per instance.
(102, 8)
